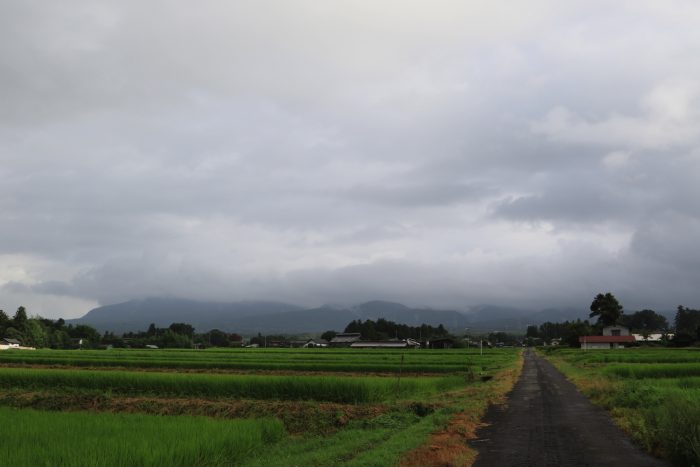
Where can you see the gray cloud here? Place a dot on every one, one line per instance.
(447, 155)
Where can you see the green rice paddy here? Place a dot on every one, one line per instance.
(352, 390)
(40, 438)
(288, 360)
(401, 396)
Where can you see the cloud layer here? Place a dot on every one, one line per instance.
(448, 154)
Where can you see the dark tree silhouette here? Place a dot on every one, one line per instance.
(606, 308)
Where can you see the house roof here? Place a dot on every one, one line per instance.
(10, 341)
(346, 337)
(605, 339)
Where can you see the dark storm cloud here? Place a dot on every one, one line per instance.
(451, 154)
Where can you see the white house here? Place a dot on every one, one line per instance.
(614, 337)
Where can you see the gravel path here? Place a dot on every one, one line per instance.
(548, 422)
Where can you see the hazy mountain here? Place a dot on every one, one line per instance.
(412, 316)
(136, 315)
(296, 322)
(251, 317)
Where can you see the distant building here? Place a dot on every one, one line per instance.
(8, 343)
(316, 343)
(616, 331)
(279, 343)
(396, 344)
(614, 337)
(298, 343)
(653, 337)
(345, 339)
(444, 343)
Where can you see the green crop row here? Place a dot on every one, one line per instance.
(40, 438)
(653, 370)
(319, 388)
(310, 360)
(631, 355)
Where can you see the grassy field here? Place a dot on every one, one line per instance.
(89, 439)
(653, 393)
(274, 406)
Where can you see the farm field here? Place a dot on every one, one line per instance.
(256, 360)
(652, 393)
(248, 406)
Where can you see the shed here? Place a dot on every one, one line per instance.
(444, 343)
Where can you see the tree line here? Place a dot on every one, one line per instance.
(608, 311)
(383, 329)
(41, 332)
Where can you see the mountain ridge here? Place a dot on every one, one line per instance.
(252, 317)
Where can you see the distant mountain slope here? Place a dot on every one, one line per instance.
(412, 316)
(297, 322)
(136, 315)
(327, 318)
(252, 317)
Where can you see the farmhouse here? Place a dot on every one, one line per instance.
(614, 337)
(10, 343)
(316, 343)
(344, 339)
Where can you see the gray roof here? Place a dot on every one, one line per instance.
(346, 337)
(11, 341)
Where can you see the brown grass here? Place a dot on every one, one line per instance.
(449, 447)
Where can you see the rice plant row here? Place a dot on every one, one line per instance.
(318, 388)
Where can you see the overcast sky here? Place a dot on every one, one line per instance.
(443, 153)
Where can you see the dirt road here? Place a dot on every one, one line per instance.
(547, 422)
